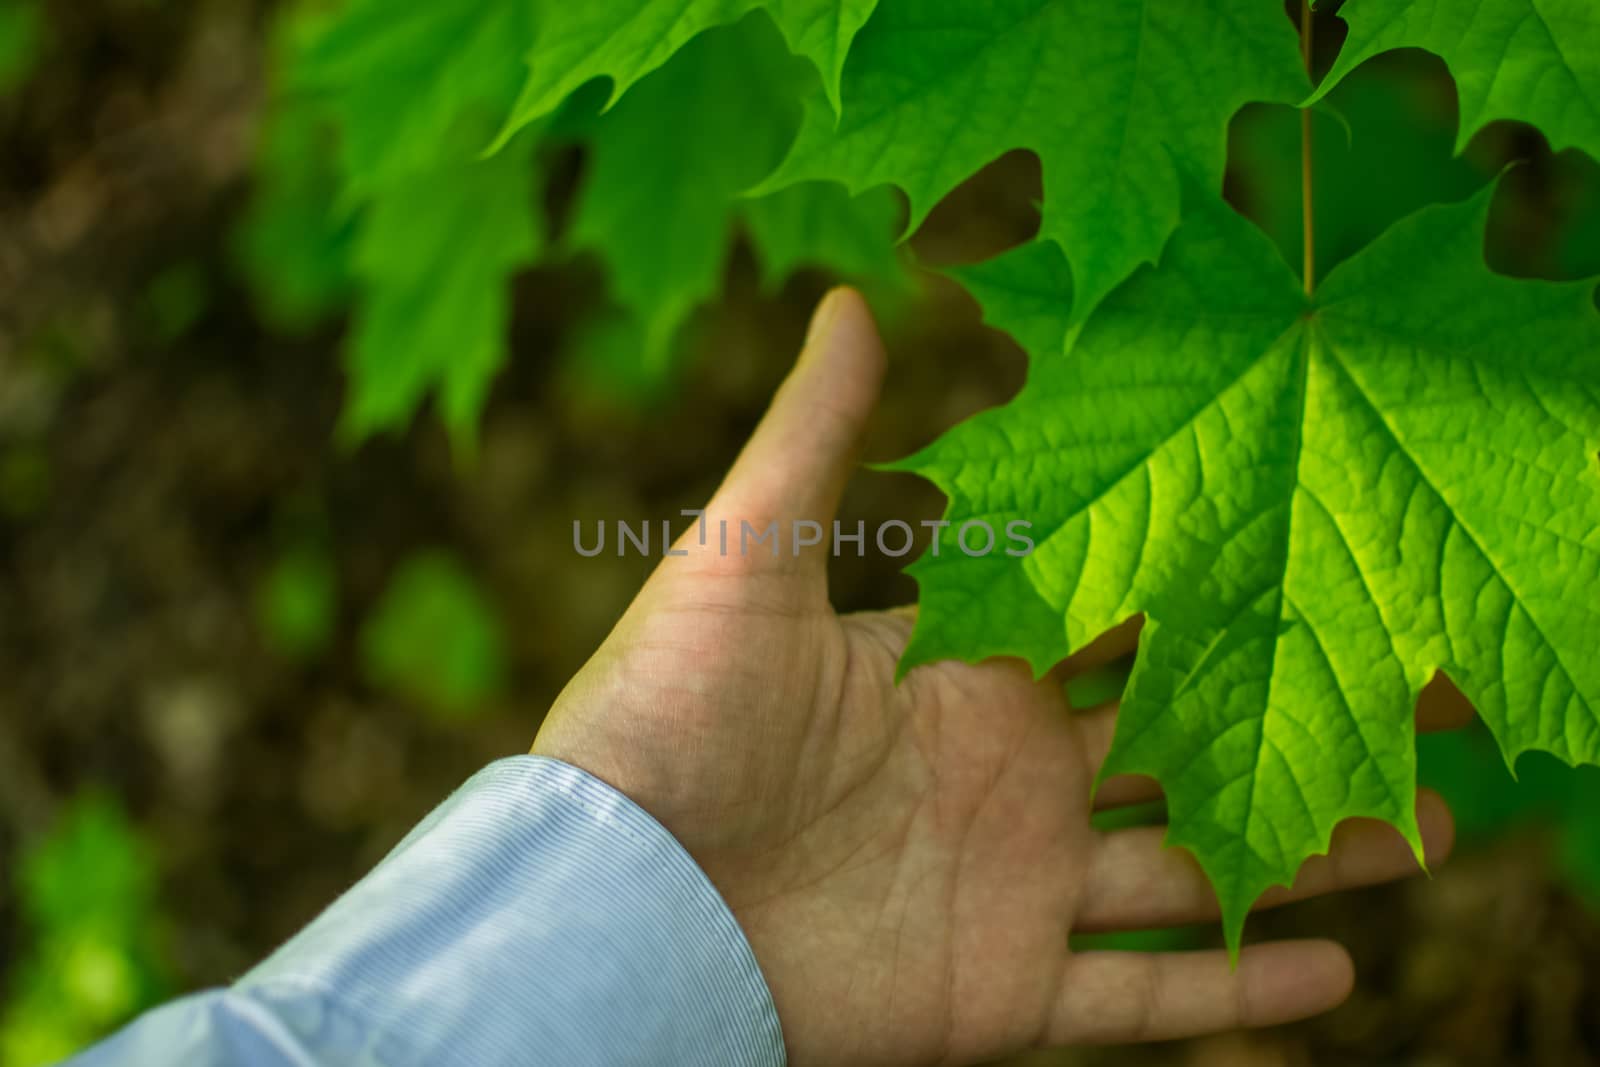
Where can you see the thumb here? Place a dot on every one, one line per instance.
(796, 464)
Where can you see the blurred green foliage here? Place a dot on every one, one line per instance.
(659, 198)
(373, 188)
(666, 242)
(1467, 769)
(410, 87)
(294, 243)
(92, 953)
(433, 256)
(175, 299)
(297, 602)
(22, 32)
(434, 638)
(24, 480)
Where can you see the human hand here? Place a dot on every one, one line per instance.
(907, 860)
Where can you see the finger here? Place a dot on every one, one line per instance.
(1121, 997)
(1136, 883)
(796, 464)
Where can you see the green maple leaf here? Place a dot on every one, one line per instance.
(1116, 99)
(1316, 503)
(667, 163)
(1382, 152)
(1536, 61)
(435, 255)
(413, 86)
(624, 40)
(661, 196)
(293, 244)
(420, 84)
(1027, 293)
(414, 93)
(816, 225)
(820, 225)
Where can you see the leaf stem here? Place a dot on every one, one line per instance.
(1308, 187)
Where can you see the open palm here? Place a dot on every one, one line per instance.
(907, 860)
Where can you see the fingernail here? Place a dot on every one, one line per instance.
(823, 317)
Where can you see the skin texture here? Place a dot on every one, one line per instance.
(909, 860)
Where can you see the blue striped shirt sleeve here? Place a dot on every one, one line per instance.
(538, 916)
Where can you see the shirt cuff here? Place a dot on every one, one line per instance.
(538, 915)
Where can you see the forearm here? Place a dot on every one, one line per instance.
(537, 915)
